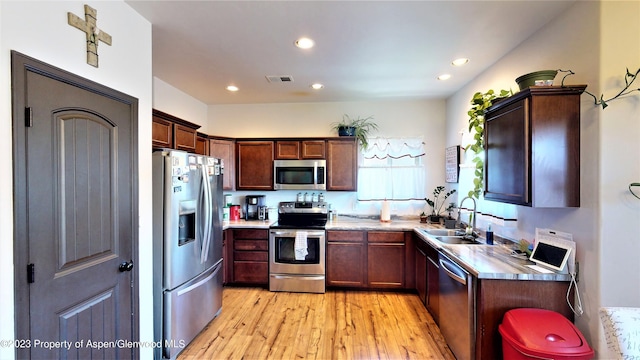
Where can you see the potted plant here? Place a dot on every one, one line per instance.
(423, 217)
(439, 198)
(479, 104)
(358, 127)
(449, 221)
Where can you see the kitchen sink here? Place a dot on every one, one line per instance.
(456, 240)
(440, 232)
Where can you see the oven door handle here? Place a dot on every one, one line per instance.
(306, 277)
(293, 233)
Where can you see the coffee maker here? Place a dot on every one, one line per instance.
(254, 207)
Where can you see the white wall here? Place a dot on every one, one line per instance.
(173, 101)
(40, 30)
(425, 118)
(597, 40)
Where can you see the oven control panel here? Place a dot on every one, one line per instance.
(303, 207)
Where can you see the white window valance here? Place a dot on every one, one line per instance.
(392, 169)
(395, 148)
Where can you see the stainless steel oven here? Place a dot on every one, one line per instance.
(297, 248)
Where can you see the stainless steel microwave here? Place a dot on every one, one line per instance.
(300, 175)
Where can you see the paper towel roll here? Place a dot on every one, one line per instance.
(385, 213)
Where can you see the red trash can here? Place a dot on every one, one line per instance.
(537, 333)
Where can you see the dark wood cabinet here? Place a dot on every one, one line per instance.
(433, 284)
(342, 165)
(421, 273)
(225, 150)
(172, 132)
(287, 150)
(532, 148)
(161, 133)
(254, 165)
(202, 144)
(427, 279)
(250, 256)
(313, 149)
(385, 259)
(373, 259)
(346, 258)
(296, 150)
(495, 297)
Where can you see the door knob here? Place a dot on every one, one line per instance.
(125, 266)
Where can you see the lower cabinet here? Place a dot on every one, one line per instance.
(374, 259)
(250, 256)
(427, 277)
(346, 258)
(385, 259)
(495, 297)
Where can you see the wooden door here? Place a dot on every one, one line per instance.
(76, 209)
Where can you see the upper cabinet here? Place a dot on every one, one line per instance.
(254, 165)
(202, 144)
(532, 148)
(171, 132)
(295, 150)
(342, 164)
(225, 150)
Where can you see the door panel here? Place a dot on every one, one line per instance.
(76, 212)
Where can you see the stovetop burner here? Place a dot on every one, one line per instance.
(301, 215)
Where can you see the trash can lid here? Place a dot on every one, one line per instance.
(542, 332)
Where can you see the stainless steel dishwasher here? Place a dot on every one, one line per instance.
(457, 308)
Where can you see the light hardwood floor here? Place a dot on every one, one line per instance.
(258, 324)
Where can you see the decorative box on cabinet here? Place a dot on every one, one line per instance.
(254, 166)
(342, 164)
(532, 148)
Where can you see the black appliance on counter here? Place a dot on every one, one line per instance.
(297, 247)
(254, 208)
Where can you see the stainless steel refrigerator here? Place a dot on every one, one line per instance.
(187, 247)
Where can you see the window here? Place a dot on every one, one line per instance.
(392, 169)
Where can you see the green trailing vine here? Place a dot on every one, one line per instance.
(629, 78)
(480, 102)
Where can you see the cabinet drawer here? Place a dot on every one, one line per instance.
(242, 234)
(251, 245)
(251, 256)
(385, 236)
(250, 272)
(349, 236)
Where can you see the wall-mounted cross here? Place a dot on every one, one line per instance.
(93, 33)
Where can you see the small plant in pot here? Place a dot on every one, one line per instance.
(439, 199)
(423, 217)
(358, 127)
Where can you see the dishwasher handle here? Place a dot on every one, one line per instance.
(454, 272)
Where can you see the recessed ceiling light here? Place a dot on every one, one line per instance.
(304, 43)
(317, 86)
(232, 88)
(444, 77)
(459, 62)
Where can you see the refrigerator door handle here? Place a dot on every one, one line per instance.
(199, 283)
(206, 193)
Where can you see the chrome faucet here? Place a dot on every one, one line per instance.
(473, 225)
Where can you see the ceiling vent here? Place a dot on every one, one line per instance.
(279, 78)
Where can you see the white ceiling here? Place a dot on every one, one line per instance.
(365, 50)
